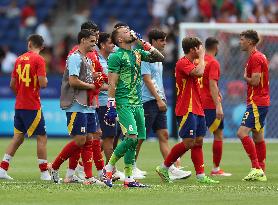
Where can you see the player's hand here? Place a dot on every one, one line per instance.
(98, 82)
(161, 105)
(200, 51)
(111, 114)
(96, 74)
(219, 112)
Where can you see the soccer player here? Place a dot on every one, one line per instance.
(189, 111)
(211, 101)
(109, 133)
(154, 103)
(258, 101)
(74, 166)
(81, 119)
(124, 74)
(28, 77)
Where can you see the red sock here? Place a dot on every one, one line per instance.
(86, 155)
(261, 153)
(4, 165)
(217, 152)
(66, 152)
(250, 149)
(198, 159)
(97, 155)
(73, 160)
(177, 151)
(43, 167)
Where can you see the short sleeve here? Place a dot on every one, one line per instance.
(184, 67)
(256, 65)
(14, 75)
(74, 62)
(214, 71)
(114, 63)
(41, 67)
(145, 68)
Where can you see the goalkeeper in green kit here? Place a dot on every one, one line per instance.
(124, 98)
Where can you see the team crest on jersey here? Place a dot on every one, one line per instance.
(83, 129)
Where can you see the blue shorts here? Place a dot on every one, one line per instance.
(212, 122)
(82, 123)
(107, 131)
(30, 122)
(154, 119)
(254, 117)
(191, 125)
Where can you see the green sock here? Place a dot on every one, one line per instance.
(128, 170)
(124, 146)
(113, 159)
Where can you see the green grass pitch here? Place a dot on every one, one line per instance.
(28, 189)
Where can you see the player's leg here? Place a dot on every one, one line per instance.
(197, 156)
(258, 137)
(17, 140)
(77, 128)
(160, 127)
(187, 131)
(247, 124)
(128, 126)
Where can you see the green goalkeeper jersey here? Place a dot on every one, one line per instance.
(127, 64)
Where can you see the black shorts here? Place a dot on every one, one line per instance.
(154, 119)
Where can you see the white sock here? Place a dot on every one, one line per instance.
(7, 158)
(129, 179)
(216, 169)
(42, 161)
(109, 167)
(99, 173)
(134, 165)
(200, 176)
(164, 166)
(70, 173)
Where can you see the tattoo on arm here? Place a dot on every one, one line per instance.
(155, 56)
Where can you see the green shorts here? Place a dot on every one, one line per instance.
(132, 120)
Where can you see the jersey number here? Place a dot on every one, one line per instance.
(24, 74)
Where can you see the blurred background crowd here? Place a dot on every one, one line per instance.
(59, 22)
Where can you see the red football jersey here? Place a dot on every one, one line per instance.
(212, 72)
(188, 89)
(259, 95)
(27, 68)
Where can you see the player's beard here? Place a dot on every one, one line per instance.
(131, 40)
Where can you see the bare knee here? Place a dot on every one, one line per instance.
(80, 140)
(198, 141)
(163, 136)
(242, 132)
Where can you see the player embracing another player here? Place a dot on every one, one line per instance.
(258, 102)
(189, 111)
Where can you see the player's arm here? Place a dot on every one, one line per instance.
(198, 71)
(13, 86)
(76, 83)
(112, 81)
(42, 81)
(214, 91)
(149, 83)
(104, 87)
(254, 80)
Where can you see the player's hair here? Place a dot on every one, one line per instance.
(252, 35)
(36, 40)
(90, 25)
(210, 43)
(189, 43)
(156, 34)
(103, 38)
(114, 36)
(85, 33)
(120, 24)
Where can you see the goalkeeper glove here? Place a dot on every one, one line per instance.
(111, 113)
